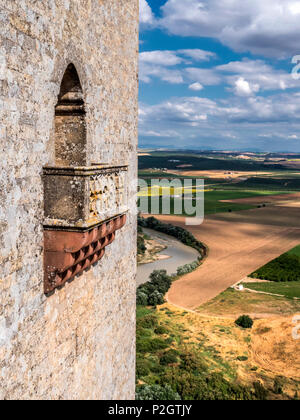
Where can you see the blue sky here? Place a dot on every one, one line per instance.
(217, 74)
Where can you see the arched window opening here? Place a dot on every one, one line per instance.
(70, 124)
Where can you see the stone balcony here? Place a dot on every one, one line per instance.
(82, 197)
(83, 208)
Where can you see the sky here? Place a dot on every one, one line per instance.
(220, 74)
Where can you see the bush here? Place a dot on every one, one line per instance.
(142, 368)
(155, 289)
(169, 357)
(187, 268)
(244, 321)
(161, 330)
(156, 298)
(141, 298)
(149, 344)
(160, 280)
(148, 321)
(260, 392)
(278, 385)
(242, 358)
(204, 386)
(141, 247)
(156, 393)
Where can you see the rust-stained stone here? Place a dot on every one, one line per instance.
(68, 253)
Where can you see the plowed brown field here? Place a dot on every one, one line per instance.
(238, 243)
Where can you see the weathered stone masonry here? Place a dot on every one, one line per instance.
(68, 117)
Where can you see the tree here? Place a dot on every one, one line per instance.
(244, 321)
(156, 393)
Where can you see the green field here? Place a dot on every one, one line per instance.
(213, 203)
(213, 200)
(285, 268)
(289, 289)
(277, 179)
(200, 162)
(295, 251)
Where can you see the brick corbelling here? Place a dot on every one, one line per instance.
(68, 253)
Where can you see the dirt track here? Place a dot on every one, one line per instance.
(238, 243)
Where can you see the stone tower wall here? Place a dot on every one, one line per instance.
(79, 342)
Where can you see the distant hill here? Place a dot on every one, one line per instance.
(201, 163)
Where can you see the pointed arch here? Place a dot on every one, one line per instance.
(70, 124)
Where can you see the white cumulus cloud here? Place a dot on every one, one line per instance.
(244, 88)
(267, 27)
(146, 15)
(196, 86)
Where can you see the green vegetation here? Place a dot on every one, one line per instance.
(271, 183)
(287, 289)
(233, 303)
(169, 366)
(282, 269)
(178, 232)
(278, 385)
(187, 268)
(244, 321)
(213, 200)
(276, 178)
(156, 393)
(216, 195)
(141, 247)
(152, 292)
(197, 162)
(295, 251)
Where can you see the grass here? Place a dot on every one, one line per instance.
(285, 268)
(170, 351)
(213, 203)
(295, 251)
(289, 289)
(234, 303)
(213, 199)
(200, 357)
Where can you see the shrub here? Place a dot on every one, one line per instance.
(242, 358)
(187, 268)
(244, 321)
(158, 344)
(156, 298)
(142, 368)
(161, 330)
(141, 247)
(143, 332)
(260, 392)
(204, 386)
(156, 393)
(152, 292)
(160, 280)
(278, 385)
(141, 298)
(148, 321)
(169, 357)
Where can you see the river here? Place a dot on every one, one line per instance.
(179, 254)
